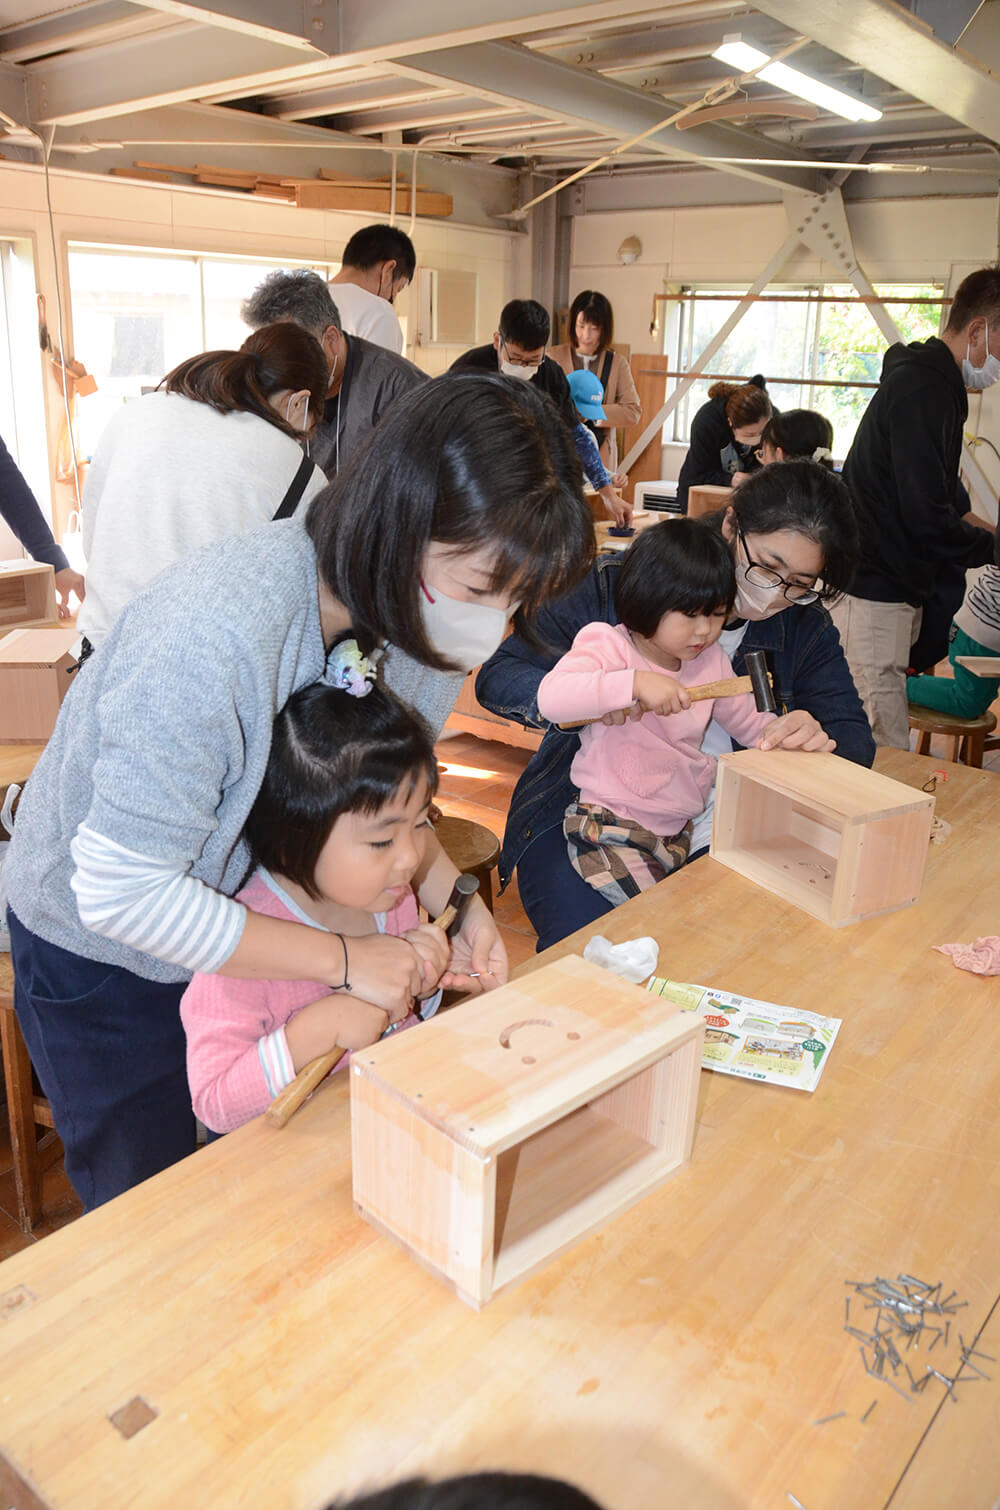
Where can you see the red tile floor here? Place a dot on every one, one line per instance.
(477, 778)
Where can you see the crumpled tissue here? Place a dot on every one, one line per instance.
(634, 960)
(982, 957)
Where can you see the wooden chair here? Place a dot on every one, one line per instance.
(967, 735)
(473, 848)
(25, 1111)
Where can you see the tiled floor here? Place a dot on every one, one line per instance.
(477, 778)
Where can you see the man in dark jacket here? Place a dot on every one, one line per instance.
(902, 471)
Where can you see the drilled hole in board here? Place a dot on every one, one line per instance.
(131, 1418)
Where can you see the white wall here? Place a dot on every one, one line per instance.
(907, 240)
(117, 211)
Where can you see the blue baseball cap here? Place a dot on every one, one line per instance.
(588, 395)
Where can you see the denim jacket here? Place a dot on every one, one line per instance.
(804, 656)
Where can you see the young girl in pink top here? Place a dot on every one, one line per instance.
(337, 832)
(641, 771)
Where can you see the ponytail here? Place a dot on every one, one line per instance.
(746, 403)
(275, 359)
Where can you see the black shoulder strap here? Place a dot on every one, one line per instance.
(609, 357)
(286, 508)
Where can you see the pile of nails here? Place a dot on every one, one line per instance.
(909, 1313)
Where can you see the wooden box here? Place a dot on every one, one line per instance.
(707, 498)
(832, 837)
(27, 595)
(36, 668)
(503, 1131)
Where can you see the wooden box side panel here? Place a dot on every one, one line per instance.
(27, 593)
(30, 698)
(883, 866)
(745, 812)
(706, 498)
(835, 787)
(435, 1197)
(659, 1104)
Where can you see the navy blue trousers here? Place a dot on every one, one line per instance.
(109, 1050)
(556, 898)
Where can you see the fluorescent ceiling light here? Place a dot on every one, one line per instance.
(739, 54)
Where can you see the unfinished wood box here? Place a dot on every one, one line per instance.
(27, 595)
(706, 498)
(500, 1133)
(839, 841)
(36, 669)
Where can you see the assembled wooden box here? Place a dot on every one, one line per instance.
(832, 837)
(27, 595)
(501, 1132)
(706, 498)
(36, 669)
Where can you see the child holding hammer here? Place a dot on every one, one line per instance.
(641, 772)
(337, 832)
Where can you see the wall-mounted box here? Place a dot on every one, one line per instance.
(501, 1132)
(36, 668)
(27, 595)
(706, 498)
(839, 841)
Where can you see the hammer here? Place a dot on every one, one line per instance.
(288, 1101)
(757, 681)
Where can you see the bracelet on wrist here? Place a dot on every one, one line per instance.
(345, 984)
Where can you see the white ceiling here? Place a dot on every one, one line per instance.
(341, 83)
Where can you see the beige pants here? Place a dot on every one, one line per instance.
(876, 638)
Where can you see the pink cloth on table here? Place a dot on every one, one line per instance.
(237, 1056)
(652, 769)
(982, 957)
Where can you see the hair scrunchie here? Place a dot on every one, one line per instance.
(349, 670)
(821, 454)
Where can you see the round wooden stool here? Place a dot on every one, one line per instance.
(967, 735)
(473, 848)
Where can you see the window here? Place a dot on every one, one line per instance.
(137, 314)
(799, 345)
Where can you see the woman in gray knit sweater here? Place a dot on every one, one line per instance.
(465, 507)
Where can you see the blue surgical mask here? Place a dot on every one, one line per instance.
(984, 376)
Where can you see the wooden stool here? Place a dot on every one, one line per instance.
(473, 848)
(25, 1110)
(967, 735)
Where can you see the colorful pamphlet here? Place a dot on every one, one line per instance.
(756, 1039)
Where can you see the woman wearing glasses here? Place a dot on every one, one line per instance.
(793, 538)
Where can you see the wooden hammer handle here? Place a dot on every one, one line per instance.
(287, 1102)
(734, 686)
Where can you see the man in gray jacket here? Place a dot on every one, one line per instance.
(364, 379)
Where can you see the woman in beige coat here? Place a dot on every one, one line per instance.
(591, 326)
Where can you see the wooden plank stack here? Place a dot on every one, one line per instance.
(329, 190)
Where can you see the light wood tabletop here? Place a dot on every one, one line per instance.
(679, 1357)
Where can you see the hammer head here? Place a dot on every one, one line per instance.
(763, 692)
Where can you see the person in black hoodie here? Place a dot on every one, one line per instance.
(902, 471)
(724, 436)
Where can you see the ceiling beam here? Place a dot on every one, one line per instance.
(105, 21)
(340, 99)
(879, 35)
(512, 75)
(142, 73)
(293, 23)
(13, 96)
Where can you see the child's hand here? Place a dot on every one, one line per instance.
(656, 693)
(332, 1022)
(796, 731)
(432, 950)
(478, 956)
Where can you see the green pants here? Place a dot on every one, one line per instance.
(964, 697)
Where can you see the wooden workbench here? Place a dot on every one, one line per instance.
(678, 1358)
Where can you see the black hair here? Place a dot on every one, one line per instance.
(976, 295)
(331, 754)
(526, 322)
(678, 566)
(381, 243)
(596, 310)
(800, 433)
(475, 1491)
(808, 499)
(472, 461)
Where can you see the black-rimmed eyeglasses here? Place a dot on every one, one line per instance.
(763, 576)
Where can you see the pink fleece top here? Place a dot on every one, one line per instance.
(237, 1053)
(651, 769)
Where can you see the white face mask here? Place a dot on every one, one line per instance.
(464, 633)
(984, 376)
(517, 369)
(756, 602)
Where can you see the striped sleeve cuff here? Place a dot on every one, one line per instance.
(275, 1061)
